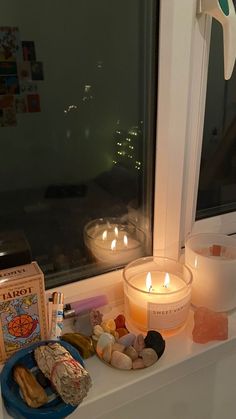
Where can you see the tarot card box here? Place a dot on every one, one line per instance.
(23, 316)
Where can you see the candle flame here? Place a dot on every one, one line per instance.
(116, 231)
(149, 281)
(113, 244)
(104, 235)
(125, 240)
(167, 280)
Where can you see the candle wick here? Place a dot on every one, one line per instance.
(150, 288)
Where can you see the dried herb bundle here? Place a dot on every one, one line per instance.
(69, 378)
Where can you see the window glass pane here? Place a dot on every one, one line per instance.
(77, 121)
(217, 183)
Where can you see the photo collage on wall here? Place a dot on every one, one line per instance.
(19, 73)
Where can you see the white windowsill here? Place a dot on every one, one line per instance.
(113, 388)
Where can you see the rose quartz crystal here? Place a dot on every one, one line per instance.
(209, 325)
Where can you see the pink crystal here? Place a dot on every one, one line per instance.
(209, 325)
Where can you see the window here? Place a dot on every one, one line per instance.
(217, 182)
(77, 119)
(116, 94)
(208, 203)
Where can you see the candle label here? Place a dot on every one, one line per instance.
(168, 316)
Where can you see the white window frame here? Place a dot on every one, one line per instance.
(177, 32)
(183, 56)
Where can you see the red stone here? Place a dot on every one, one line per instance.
(122, 331)
(120, 321)
(209, 325)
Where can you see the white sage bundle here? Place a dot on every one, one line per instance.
(68, 377)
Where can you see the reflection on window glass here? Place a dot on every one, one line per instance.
(77, 107)
(217, 182)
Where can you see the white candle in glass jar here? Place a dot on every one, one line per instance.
(110, 244)
(214, 272)
(156, 300)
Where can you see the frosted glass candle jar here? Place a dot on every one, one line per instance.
(112, 242)
(212, 260)
(157, 294)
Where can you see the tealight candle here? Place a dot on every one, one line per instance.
(109, 241)
(157, 294)
(211, 258)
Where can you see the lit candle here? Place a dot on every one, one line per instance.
(156, 299)
(112, 242)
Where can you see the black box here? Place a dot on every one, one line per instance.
(14, 249)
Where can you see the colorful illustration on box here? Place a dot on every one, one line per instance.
(20, 322)
(19, 74)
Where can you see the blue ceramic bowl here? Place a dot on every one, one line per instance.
(15, 405)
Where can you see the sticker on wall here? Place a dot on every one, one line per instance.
(28, 87)
(9, 84)
(12, 83)
(6, 101)
(28, 51)
(20, 104)
(8, 68)
(9, 43)
(3, 85)
(19, 73)
(33, 102)
(8, 117)
(24, 70)
(37, 70)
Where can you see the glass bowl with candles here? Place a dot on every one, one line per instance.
(110, 241)
(157, 295)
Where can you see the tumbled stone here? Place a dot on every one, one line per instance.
(139, 343)
(103, 341)
(42, 380)
(107, 351)
(118, 347)
(115, 334)
(131, 352)
(82, 324)
(108, 325)
(98, 331)
(155, 341)
(209, 325)
(138, 364)
(149, 356)
(122, 331)
(95, 317)
(127, 340)
(84, 344)
(120, 321)
(121, 361)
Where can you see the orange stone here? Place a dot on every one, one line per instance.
(209, 325)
